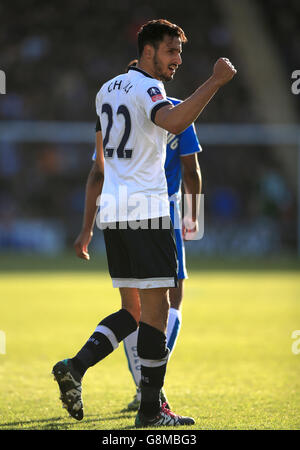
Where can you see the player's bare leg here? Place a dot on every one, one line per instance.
(155, 307)
(176, 296)
(130, 300)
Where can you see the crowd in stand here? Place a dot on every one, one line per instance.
(56, 55)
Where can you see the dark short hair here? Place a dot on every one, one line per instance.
(154, 31)
(133, 63)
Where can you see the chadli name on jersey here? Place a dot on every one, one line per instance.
(119, 85)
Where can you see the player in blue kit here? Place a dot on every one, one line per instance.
(181, 154)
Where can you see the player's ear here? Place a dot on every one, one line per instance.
(148, 51)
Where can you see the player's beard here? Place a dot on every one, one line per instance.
(158, 67)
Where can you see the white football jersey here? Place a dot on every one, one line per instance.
(135, 185)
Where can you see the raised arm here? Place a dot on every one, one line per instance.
(176, 119)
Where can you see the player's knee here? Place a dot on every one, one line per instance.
(131, 302)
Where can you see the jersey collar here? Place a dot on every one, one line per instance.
(137, 69)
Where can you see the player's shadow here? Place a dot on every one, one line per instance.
(128, 411)
(58, 423)
(52, 422)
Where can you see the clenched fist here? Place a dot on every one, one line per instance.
(223, 71)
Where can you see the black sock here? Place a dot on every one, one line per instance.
(110, 331)
(150, 393)
(78, 366)
(153, 353)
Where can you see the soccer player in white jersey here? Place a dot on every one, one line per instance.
(135, 117)
(181, 165)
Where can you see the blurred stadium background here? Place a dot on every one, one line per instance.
(239, 313)
(57, 55)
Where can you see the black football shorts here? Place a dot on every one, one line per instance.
(143, 257)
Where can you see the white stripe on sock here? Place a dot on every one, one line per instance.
(109, 334)
(155, 362)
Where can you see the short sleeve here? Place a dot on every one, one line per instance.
(151, 96)
(189, 142)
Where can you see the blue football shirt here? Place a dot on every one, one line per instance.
(185, 143)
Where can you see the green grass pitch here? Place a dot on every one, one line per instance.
(233, 366)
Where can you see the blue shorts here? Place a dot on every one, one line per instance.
(176, 219)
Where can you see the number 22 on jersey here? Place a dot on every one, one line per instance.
(122, 152)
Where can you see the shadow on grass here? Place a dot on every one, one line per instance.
(58, 423)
